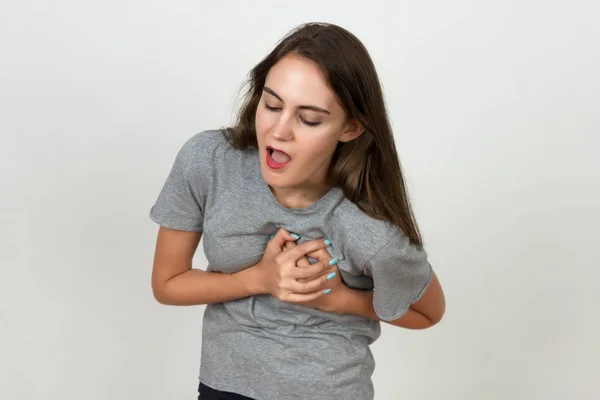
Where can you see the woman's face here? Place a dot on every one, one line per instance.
(299, 123)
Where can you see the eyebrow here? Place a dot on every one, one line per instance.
(303, 107)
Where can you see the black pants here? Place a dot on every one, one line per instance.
(208, 393)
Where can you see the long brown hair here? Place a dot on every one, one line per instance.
(366, 168)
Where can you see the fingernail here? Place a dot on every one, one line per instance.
(327, 242)
(333, 262)
(331, 275)
(295, 236)
(327, 291)
(271, 237)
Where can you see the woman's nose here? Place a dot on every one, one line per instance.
(283, 131)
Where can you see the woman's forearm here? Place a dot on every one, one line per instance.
(194, 287)
(360, 302)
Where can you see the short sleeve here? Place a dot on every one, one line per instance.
(401, 273)
(180, 203)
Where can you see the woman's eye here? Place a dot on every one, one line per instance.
(304, 121)
(268, 107)
(309, 123)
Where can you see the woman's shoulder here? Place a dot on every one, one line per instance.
(207, 147)
(355, 218)
(363, 232)
(206, 141)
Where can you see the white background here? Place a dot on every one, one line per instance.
(496, 111)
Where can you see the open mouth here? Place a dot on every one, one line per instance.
(277, 158)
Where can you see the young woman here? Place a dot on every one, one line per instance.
(306, 225)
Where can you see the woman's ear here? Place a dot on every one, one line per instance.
(352, 130)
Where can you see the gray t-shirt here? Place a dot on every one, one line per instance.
(259, 346)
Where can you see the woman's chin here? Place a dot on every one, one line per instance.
(275, 181)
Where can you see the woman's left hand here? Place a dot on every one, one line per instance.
(333, 301)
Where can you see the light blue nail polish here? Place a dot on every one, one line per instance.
(295, 236)
(331, 275)
(333, 262)
(327, 242)
(271, 237)
(327, 291)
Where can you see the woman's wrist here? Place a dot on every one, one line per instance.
(252, 279)
(356, 302)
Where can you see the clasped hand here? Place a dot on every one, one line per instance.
(287, 274)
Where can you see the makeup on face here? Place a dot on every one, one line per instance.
(276, 158)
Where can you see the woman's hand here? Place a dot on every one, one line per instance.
(333, 300)
(279, 276)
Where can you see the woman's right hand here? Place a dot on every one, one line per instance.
(278, 273)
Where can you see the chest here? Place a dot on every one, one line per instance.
(236, 234)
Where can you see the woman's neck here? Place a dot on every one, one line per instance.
(299, 197)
